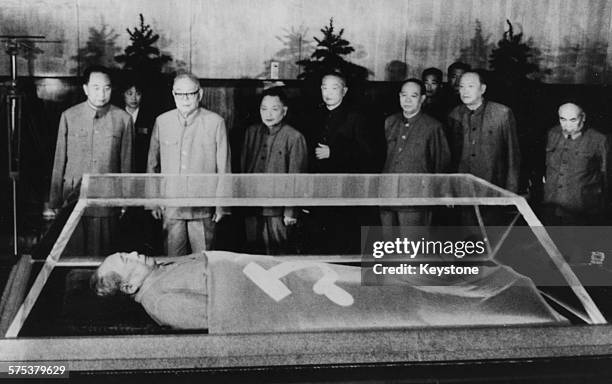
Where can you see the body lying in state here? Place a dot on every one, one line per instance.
(227, 292)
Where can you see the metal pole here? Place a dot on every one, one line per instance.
(13, 53)
(13, 132)
(10, 134)
(15, 153)
(14, 102)
(15, 237)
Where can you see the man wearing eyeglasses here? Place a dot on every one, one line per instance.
(188, 140)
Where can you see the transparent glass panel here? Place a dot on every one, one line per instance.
(515, 244)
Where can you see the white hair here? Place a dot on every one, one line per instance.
(187, 75)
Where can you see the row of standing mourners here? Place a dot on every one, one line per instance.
(438, 130)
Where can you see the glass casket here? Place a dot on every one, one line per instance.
(60, 321)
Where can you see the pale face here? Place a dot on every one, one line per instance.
(432, 85)
(333, 91)
(131, 267)
(454, 78)
(98, 89)
(471, 90)
(272, 111)
(571, 118)
(132, 98)
(411, 99)
(187, 95)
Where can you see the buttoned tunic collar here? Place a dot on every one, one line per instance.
(274, 129)
(573, 135)
(189, 119)
(478, 111)
(95, 112)
(412, 119)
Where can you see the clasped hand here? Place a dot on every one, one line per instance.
(322, 151)
(289, 221)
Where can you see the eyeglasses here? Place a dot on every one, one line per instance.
(186, 95)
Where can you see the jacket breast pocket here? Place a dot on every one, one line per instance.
(77, 143)
(168, 150)
(391, 143)
(491, 139)
(111, 138)
(552, 157)
(586, 160)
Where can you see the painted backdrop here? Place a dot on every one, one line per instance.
(238, 38)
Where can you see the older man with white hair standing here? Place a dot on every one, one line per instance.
(576, 191)
(187, 140)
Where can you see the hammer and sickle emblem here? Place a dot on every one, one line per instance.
(269, 281)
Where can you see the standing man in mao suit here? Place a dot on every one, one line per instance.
(273, 146)
(187, 140)
(339, 138)
(340, 141)
(484, 142)
(415, 144)
(93, 137)
(576, 191)
(483, 137)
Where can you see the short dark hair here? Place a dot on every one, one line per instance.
(481, 73)
(415, 81)
(338, 74)
(95, 69)
(275, 92)
(431, 71)
(131, 82)
(459, 65)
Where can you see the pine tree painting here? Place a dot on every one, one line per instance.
(329, 56)
(296, 46)
(477, 52)
(513, 59)
(99, 49)
(142, 55)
